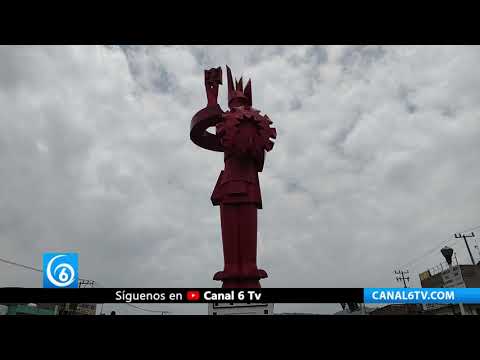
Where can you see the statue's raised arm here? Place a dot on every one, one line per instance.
(209, 116)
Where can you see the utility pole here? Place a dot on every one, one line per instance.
(402, 277)
(459, 236)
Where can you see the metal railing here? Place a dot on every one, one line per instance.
(443, 266)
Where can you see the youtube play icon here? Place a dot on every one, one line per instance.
(193, 295)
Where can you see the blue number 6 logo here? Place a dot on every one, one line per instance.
(60, 270)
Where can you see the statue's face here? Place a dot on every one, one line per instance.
(238, 102)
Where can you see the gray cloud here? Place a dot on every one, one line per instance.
(375, 162)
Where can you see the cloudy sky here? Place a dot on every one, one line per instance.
(376, 163)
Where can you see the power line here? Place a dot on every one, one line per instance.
(85, 280)
(32, 268)
(435, 248)
(21, 265)
(147, 310)
(163, 312)
(140, 308)
(428, 252)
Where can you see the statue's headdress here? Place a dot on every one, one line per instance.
(238, 96)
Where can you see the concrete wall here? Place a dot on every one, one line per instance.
(470, 274)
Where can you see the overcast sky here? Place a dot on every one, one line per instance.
(376, 162)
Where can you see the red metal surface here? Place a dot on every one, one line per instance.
(243, 135)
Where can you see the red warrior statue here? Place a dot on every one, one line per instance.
(243, 135)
